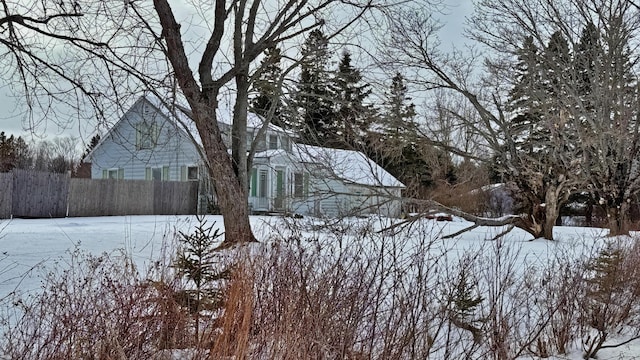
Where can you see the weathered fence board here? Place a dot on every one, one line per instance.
(39, 194)
(6, 191)
(175, 198)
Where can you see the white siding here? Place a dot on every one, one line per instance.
(118, 149)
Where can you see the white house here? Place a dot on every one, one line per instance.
(147, 144)
(153, 142)
(322, 182)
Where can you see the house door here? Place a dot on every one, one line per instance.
(279, 200)
(263, 187)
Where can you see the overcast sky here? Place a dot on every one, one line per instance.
(12, 120)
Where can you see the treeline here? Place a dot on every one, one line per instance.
(59, 155)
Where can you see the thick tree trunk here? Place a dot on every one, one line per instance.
(618, 220)
(239, 130)
(552, 211)
(232, 196)
(543, 217)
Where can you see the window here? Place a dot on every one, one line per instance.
(192, 173)
(146, 135)
(157, 173)
(254, 182)
(300, 185)
(285, 143)
(273, 142)
(113, 174)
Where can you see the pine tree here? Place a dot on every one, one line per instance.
(14, 153)
(268, 102)
(92, 144)
(526, 97)
(608, 113)
(394, 143)
(22, 154)
(352, 116)
(400, 112)
(197, 261)
(6, 152)
(608, 298)
(588, 61)
(542, 135)
(314, 98)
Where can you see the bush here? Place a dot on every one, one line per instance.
(343, 290)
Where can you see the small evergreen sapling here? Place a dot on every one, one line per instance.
(610, 297)
(197, 262)
(463, 304)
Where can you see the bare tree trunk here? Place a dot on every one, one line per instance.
(618, 219)
(551, 211)
(239, 130)
(232, 196)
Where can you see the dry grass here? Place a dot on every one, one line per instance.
(341, 293)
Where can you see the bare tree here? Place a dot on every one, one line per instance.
(490, 123)
(597, 94)
(606, 61)
(537, 143)
(210, 63)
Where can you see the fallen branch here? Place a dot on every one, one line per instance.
(511, 220)
(461, 231)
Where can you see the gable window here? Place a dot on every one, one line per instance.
(285, 143)
(146, 135)
(300, 185)
(273, 142)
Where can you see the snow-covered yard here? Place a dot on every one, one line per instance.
(29, 246)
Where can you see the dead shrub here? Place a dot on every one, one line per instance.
(342, 291)
(94, 307)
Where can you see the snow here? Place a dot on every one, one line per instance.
(348, 165)
(28, 246)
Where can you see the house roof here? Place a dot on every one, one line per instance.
(348, 165)
(180, 110)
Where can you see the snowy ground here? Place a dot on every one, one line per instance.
(28, 246)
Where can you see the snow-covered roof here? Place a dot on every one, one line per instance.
(180, 109)
(348, 165)
(270, 153)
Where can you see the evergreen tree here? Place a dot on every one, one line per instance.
(588, 61)
(400, 112)
(92, 144)
(268, 102)
(14, 153)
(352, 116)
(197, 261)
(6, 152)
(22, 154)
(395, 144)
(314, 98)
(542, 133)
(527, 96)
(557, 65)
(608, 113)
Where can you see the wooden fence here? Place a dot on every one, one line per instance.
(31, 194)
(6, 190)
